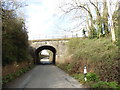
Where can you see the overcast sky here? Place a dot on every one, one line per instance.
(43, 18)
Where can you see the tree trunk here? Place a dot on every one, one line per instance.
(111, 22)
(105, 16)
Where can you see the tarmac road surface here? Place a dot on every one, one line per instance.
(44, 76)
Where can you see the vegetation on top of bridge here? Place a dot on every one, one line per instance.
(41, 40)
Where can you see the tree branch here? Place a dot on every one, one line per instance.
(97, 10)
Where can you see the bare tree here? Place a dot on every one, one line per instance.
(77, 6)
(100, 20)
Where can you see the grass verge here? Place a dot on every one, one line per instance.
(13, 76)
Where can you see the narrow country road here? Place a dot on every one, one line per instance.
(45, 76)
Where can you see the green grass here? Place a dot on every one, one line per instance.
(103, 84)
(79, 77)
(92, 77)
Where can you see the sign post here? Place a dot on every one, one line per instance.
(85, 72)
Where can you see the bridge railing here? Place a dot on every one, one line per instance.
(53, 36)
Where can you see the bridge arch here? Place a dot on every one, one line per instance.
(51, 48)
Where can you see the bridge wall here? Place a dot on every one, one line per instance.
(60, 46)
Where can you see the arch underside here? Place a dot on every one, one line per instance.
(38, 50)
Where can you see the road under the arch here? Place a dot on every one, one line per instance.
(45, 76)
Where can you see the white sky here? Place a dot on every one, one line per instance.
(44, 52)
(43, 18)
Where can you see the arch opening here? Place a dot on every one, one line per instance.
(42, 49)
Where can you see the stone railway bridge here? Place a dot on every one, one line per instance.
(57, 46)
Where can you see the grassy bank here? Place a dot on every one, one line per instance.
(99, 55)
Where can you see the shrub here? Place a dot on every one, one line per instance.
(14, 35)
(79, 77)
(99, 55)
(102, 84)
(7, 78)
(92, 77)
